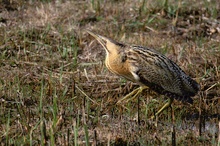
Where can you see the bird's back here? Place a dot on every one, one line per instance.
(162, 75)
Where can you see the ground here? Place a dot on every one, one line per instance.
(55, 88)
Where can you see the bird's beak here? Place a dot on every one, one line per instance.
(102, 40)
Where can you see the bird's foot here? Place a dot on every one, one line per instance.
(132, 94)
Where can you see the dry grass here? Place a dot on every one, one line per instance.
(55, 88)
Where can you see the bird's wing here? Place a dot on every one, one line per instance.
(157, 71)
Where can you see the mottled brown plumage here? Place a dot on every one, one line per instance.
(148, 67)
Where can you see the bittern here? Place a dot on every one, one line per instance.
(148, 68)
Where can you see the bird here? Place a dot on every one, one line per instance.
(149, 69)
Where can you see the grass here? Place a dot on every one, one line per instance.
(56, 90)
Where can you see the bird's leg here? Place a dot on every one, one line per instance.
(168, 104)
(133, 94)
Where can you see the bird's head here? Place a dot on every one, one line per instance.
(110, 45)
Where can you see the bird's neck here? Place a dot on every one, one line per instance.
(116, 64)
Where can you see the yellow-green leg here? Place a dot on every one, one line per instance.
(133, 94)
(170, 101)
